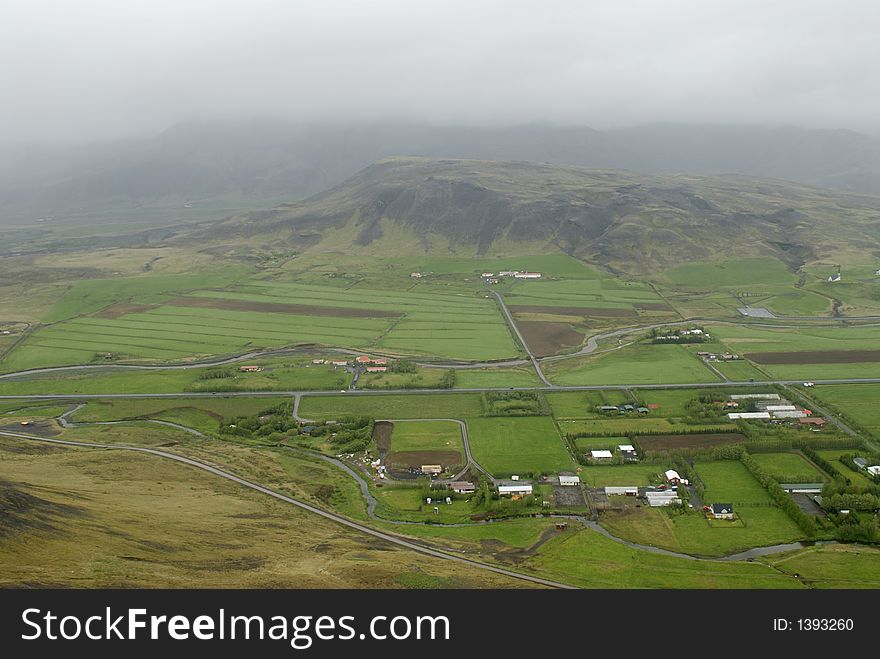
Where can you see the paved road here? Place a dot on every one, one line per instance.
(418, 392)
(512, 323)
(300, 504)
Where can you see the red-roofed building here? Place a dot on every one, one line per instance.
(376, 369)
(817, 421)
(363, 359)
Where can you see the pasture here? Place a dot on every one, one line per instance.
(756, 272)
(636, 364)
(789, 467)
(523, 445)
(857, 402)
(163, 324)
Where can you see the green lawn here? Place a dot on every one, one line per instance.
(523, 445)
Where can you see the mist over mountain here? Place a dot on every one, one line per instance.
(272, 158)
(624, 221)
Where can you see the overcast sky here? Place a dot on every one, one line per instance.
(113, 68)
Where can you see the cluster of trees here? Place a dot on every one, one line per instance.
(352, 433)
(516, 403)
(215, 374)
(857, 528)
(274, 423)
(402, 366)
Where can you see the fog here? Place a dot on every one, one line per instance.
(102, 69)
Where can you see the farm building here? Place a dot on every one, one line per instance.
(672, 476)
(514, 488)
(874, 470)
(861, 463)
(755, 397)
(817, 421)
(722, 510)
(569, 480)
(628, 451)
(486, 275)
(608, 408)
(802, 488)
(527, 275)
(379, 361)
(363, 359)
(733, 416)
(789, 414)
(601, 454)
(339, 363)
(376, 369)
(780, 408)
(625, 490)
(250, 369)
(415, 275)
(462, 487)
(431, 469)
(662, 498)
(317, 361)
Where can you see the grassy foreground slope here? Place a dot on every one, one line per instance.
(179, 528)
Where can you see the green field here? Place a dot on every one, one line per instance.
(836, 566)
(789, 467)
(393, 406)
(735, 273)
(242, 318)
(858, 402)
(636, 364)
(858, 478)
(729, 481)
(591, 560)
(583, 404)
(506, 446)
(627, 474)
(277, 375)
(198, 413)
(619, 426)
(740, 370)
(426, 436)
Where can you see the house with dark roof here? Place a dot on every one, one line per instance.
(722, 510)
